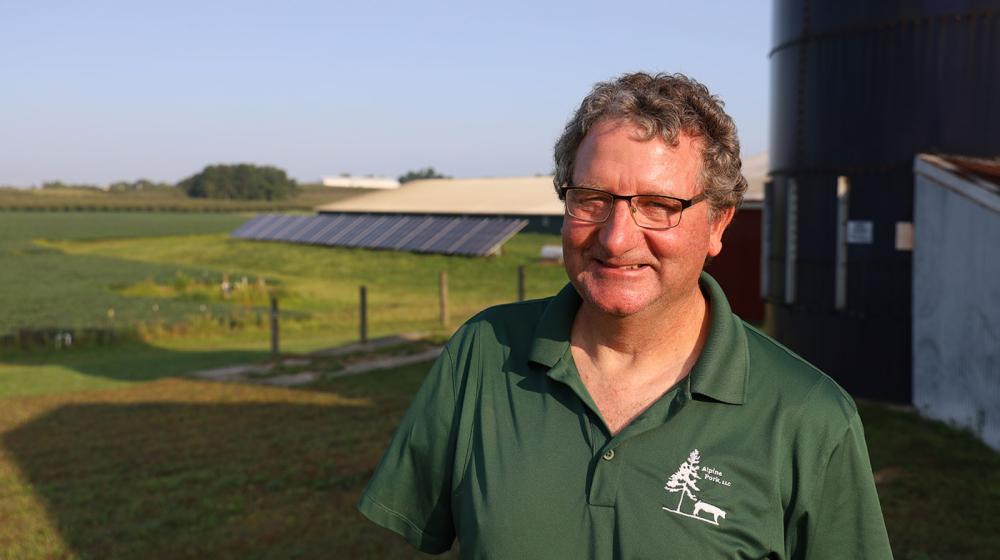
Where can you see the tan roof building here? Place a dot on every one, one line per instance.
(508, 196)
(352, 182)
(755, 171)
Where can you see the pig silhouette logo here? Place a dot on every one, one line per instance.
(712, 510)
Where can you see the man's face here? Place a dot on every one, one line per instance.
(616, 266)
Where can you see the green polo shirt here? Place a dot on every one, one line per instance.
(755, 454)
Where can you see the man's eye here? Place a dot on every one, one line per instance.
(661, 207)
(591, 200)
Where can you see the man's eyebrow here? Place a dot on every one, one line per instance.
(596, 187)
(587, 185)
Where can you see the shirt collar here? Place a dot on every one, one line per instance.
(552, 332)
(721, 372)
(723, 368)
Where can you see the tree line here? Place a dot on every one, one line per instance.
(241, 181)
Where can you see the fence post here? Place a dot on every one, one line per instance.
(443, 297)
(520, 283)
(364, 315)
(274, 328)
(111, 324)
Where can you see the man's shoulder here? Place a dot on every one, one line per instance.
(781, 376)
(507, 325)
(517, 313)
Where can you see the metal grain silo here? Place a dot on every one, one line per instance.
(858, 88)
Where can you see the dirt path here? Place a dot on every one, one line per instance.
(262, 372)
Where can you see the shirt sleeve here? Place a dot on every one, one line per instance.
(842, 517)
(410, 492)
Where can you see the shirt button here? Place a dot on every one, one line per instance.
(609, 454)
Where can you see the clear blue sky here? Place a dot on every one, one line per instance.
(93, 92)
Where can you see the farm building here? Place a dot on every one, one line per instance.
(858, 90)
(522, 198)
(352, 182)
(956, 292)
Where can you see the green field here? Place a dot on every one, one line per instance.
(76, 199)
(68, 269)
(160, 273)
(111, 451)
(44, 287)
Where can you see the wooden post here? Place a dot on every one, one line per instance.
(520, 283)
(364, 315)
(274, 328)
(111, 324)
(443, 297)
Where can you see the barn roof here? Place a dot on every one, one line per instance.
(519, 196)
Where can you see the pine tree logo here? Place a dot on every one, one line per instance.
(684, 482)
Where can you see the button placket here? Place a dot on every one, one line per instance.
(607, 472)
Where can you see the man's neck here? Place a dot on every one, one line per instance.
(668, 340)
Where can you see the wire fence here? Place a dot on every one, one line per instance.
(238, 304)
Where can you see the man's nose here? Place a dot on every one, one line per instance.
(619, 233)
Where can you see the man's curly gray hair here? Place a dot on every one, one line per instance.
(663, 105)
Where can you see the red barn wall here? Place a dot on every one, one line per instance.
(737, 268)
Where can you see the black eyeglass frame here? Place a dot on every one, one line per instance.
(685, 204)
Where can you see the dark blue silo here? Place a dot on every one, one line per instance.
(858, 88)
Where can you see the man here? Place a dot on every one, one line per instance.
(632, 415)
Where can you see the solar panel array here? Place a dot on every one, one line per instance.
(448, 235)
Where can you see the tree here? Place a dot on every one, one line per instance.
(54, 185)
(138, 185)
(240, 182)
(425, 173)
(683, 480)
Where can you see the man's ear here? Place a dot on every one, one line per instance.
(718, 227)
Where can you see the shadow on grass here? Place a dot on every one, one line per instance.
(939, 487)
(189, 469)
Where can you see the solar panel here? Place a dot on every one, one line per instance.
(367, 231)
(437, 233)
(449, 235)
(307, 231)
(417, 227)
(490, 238)
(467, 233)
(329, 225)
(387, 234)
(288, 227)
(253, 228)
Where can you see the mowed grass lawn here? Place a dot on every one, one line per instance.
(177, 468)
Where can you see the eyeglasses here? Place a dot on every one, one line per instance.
(650, 211)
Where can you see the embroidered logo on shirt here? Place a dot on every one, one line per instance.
(684, 483)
